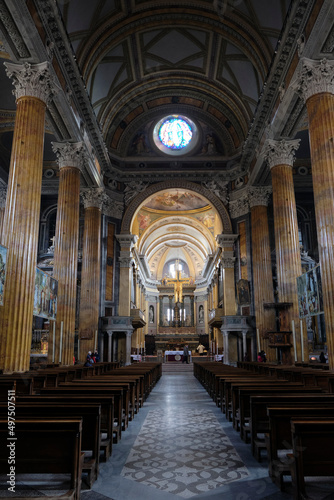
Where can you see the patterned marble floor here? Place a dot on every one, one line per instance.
(180, 446)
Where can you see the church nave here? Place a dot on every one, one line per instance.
(180, 445)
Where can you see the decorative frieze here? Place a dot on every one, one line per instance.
(93, 197)
(239, 207)
(259, 195)
(279, 152)
(218, 187)
(34, 80)
(315, 77)
(112, 208)
(132, 189)
(226, 240)
(69, 154)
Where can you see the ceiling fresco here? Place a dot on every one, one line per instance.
(180, 200)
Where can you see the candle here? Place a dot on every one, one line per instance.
(258, 340)
(294, 339)
(301, 339)
(61, 341)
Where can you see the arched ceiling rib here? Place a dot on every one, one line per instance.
(140, 59)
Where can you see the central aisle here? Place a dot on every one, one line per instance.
(179, 445)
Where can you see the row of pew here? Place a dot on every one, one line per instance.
(67, 419)
(285, 411)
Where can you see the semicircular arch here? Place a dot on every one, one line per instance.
(137, 202)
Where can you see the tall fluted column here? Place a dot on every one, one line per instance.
(70, 159)
(226, 242)
(90, 273)
(316, 85)
(280, 157)
(126, 241)
(3, 195)
(261, 258)
(33, 88)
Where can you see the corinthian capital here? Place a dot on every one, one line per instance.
(259, 195)
(34, 80)
(3, 196)
(280, 152)
(69, 154)
(315, 77)
(239, 207)
(93, 197)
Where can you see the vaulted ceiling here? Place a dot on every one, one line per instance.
(141, 60)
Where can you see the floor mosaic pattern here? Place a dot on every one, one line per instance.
(183, 451)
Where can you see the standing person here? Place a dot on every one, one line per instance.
(200, 349)
(259, 357)
(322, 358)
(185, 354)
(96, 357)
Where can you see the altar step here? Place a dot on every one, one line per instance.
(176, 366)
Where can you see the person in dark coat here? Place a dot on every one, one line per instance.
(185, 354)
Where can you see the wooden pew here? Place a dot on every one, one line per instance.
(91, 427)
(45, 446)
(107, 413)
(115, 393)
(91, 385)
(259, 420)
(313, 444)
(244, 394)
(279, 434)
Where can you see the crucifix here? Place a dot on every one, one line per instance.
(178, 283)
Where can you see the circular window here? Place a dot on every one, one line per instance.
(175, 135)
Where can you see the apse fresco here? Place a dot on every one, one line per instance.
(208, 219)
(176, 200)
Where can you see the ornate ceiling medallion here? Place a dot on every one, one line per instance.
(175, 135)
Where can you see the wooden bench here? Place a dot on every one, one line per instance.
(107, 413)
(115, 393)
(313, 445)
(259, 420)
(45, 446)
(91, 427)
(279, 434)
(245, 393)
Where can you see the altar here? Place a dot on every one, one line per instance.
(175, 356)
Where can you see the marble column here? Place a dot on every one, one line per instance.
(3, 195)
(33, 89)
(244, 344)
(91, 269)
(226, 242)
(280, 157)
(110, 347)
(316, 86)
(71, 160)
(127, 242)
(128, 336)
(226, 347)
(262, 270)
